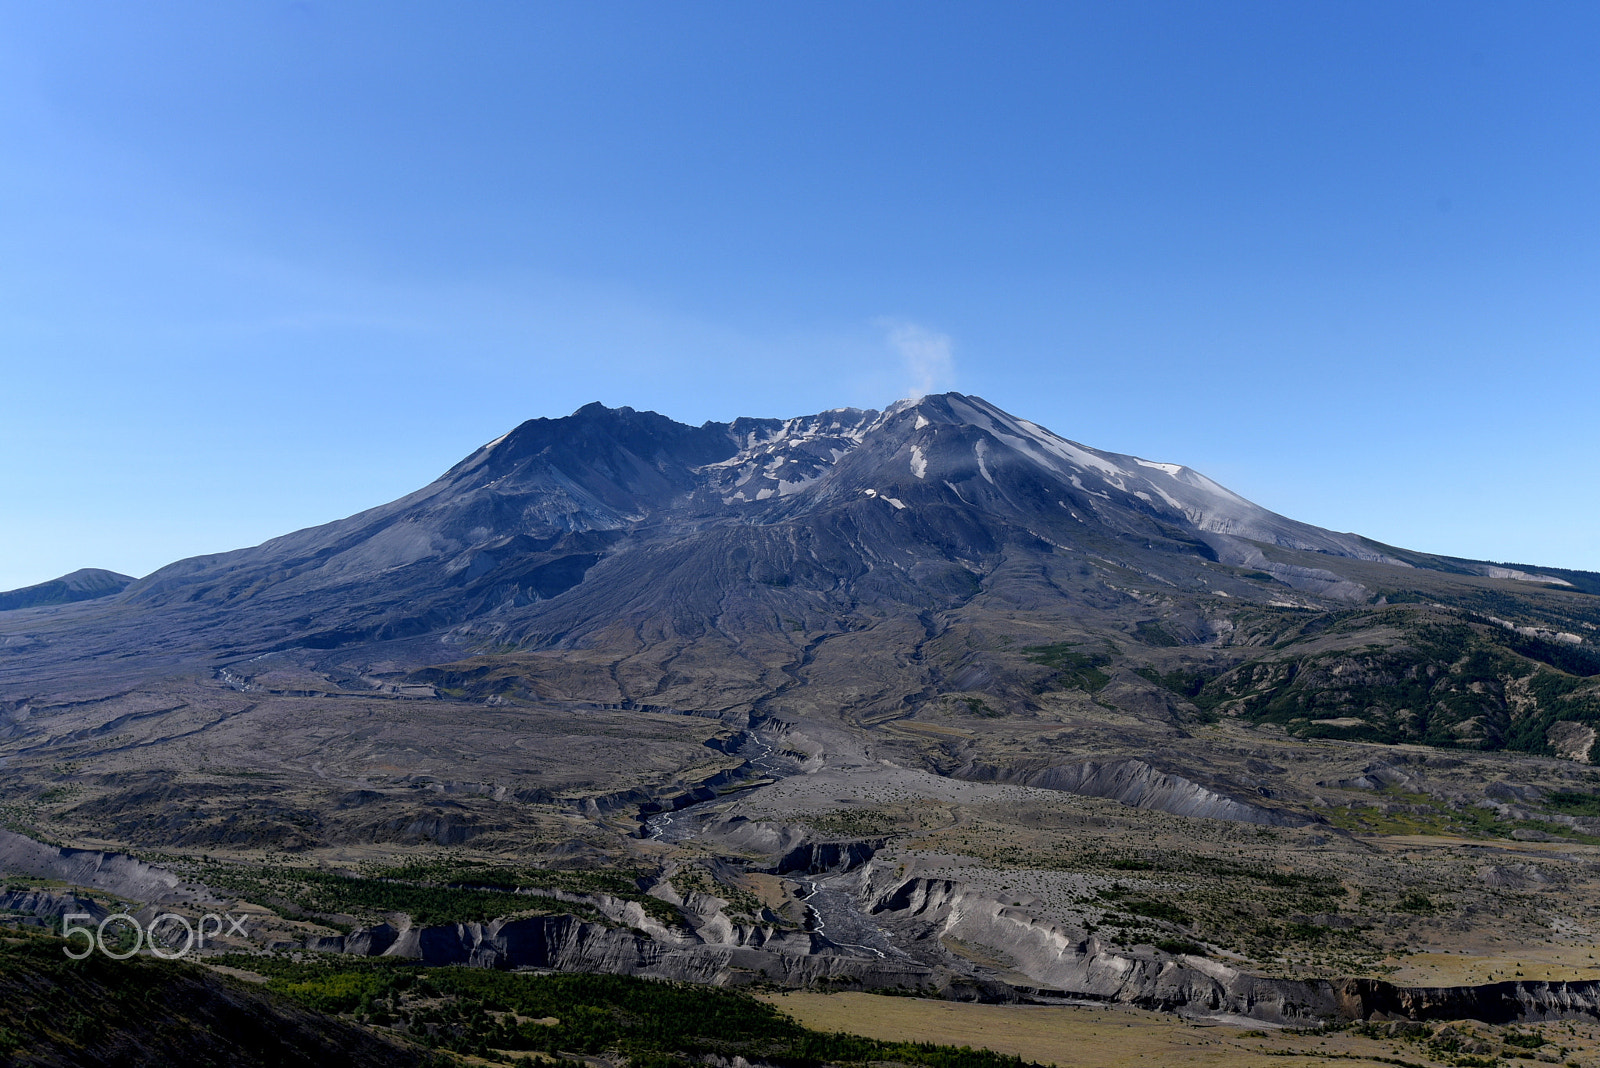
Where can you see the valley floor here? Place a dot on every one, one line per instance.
(1073, 1036)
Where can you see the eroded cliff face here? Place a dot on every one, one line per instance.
(116, 873)
(1066, 967)
(1073, 964)
(567, 943)
(1027, 958)
(47, 905)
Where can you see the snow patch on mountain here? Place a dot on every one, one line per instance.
(1522, 576)
(780, 459)
(979, 450)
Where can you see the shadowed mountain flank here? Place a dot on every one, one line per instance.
(100, 1012)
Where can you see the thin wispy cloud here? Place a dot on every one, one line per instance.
(928, 357)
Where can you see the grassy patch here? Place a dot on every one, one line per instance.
(1573, 803)
(863, 822)
(1421, 904)
(1155, 910)
(309, 891)
(741, 903)
(1179, 947)
(458, 873)
(1152, 633)
(1471, 822)
(978, 707)
(1072, 670)
(1441, 677)
(1187, 684)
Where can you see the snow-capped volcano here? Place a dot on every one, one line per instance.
(564, 529)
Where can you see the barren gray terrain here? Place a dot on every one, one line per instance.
(927, 699)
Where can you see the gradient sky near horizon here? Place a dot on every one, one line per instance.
(263, 265)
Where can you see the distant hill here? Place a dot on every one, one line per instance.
(84, 584)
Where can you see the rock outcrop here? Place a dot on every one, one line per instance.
(568, 943)
(116, 873)
(1136, 783)
(53, 906)
(1072, 964)
(813, 858)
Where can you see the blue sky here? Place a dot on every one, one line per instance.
(263, 265)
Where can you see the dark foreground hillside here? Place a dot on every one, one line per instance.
(98, 1011)
(332, 1011)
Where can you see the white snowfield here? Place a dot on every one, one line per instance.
(803, 451)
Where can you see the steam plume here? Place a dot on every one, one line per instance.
(927, 355)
